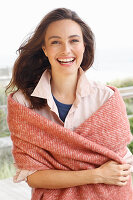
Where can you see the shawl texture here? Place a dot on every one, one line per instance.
(40, 144)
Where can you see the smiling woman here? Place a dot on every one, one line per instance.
(69, 134)
(64, 47)
(33, 53)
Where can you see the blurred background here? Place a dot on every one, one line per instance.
(111, 22)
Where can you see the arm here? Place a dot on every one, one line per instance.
(56, 179)
(109, 173)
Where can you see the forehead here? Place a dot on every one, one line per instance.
(65, 27)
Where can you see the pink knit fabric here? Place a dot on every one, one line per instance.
(39, 144)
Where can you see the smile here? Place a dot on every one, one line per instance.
(66, 60)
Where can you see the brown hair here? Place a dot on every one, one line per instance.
(32, 62)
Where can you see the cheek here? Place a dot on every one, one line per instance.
(80, 51)
(51, 53)
(80, 48)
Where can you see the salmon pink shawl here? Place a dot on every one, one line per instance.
(40, 144)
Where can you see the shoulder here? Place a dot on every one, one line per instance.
(20, 98)
(96, 85)
(101, 91)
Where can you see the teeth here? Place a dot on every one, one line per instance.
(66, 60)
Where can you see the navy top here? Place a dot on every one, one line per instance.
(63, 109)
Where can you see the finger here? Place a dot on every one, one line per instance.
(125, 166)
(124, 178)
(126, 172)
(122, 183)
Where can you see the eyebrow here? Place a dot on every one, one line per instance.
(58, 37)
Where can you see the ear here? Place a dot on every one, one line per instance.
(44, 50)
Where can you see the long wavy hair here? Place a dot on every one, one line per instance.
(32, 62)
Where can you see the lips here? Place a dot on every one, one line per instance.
(66, 60)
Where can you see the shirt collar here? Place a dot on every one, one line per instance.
(43, 88)
(83, 86)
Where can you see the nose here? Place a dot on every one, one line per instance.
(66, 49)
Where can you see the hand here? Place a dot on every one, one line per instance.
(113, 173)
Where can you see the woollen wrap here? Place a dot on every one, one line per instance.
(40, 144)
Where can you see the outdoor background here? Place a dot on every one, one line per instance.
(111, 22)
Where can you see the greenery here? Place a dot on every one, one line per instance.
(3, 124)
(3, 113)
(7, 170)
(3, 98)
(129, 105)
(119, 83)
(124, 83)
(130, 146)
(131, 124)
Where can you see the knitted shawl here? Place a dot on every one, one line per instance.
(40, 144)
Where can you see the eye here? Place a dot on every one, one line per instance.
(74, 40)
(55, 42)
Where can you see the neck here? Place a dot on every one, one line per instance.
(64, 87)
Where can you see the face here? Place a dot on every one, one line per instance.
(64, 46)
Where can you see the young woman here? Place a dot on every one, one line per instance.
(58, 161)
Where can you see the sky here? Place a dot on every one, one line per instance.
(110, 20)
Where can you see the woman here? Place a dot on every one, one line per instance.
(52, 109)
